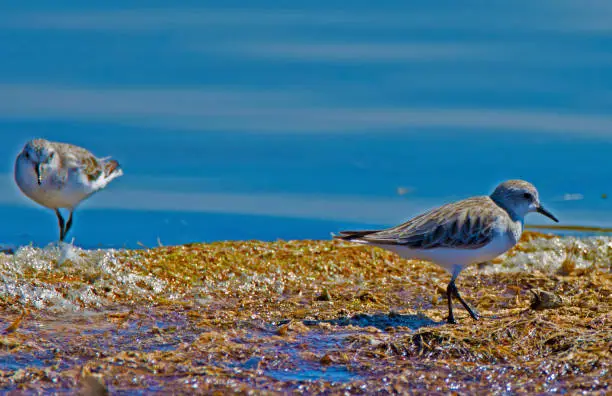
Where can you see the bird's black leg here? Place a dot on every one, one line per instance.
(471, 311)
(61, 223)
(68, 224)
(449, 296)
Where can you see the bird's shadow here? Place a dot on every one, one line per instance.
(381, 321)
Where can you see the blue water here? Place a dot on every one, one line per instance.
(331, 374)
(275, 120)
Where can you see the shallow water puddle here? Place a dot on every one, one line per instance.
(18, 361)
(381, 321)
(296, 358)
(301, 362)
(65, 343)
(330, 374)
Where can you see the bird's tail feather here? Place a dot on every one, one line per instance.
(352, 235)
(112, 168)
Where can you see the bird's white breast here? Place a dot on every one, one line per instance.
(54, 191)
(448, 258)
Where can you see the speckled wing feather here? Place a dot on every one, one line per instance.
(467, 224)
(78, 157)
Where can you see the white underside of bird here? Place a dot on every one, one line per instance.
(61, 190)
(452, 259)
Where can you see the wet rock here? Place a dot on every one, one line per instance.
(324, 296)
(544, 300)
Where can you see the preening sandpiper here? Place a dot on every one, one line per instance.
(458, 234)
(61, 175)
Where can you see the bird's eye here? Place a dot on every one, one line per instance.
(528, 196)
(27, 155)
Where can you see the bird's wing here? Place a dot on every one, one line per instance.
(76, 157)
(467, 224)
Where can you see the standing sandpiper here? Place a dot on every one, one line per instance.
(458, 234)
(61, 175)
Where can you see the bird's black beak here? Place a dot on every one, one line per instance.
(38, 176)
(546, 213)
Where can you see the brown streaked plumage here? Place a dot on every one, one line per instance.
(61, 175)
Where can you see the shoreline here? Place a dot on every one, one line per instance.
(314, 316)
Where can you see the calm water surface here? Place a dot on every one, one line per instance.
(268, 120)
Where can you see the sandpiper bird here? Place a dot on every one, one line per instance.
(61, 175)
(458, 234)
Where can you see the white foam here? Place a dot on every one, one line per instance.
(93, 278)
(548, 254)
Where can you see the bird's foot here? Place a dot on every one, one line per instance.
(475, 314)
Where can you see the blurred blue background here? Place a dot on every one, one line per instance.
(269, 119)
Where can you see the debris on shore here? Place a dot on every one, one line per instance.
(308, 316)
